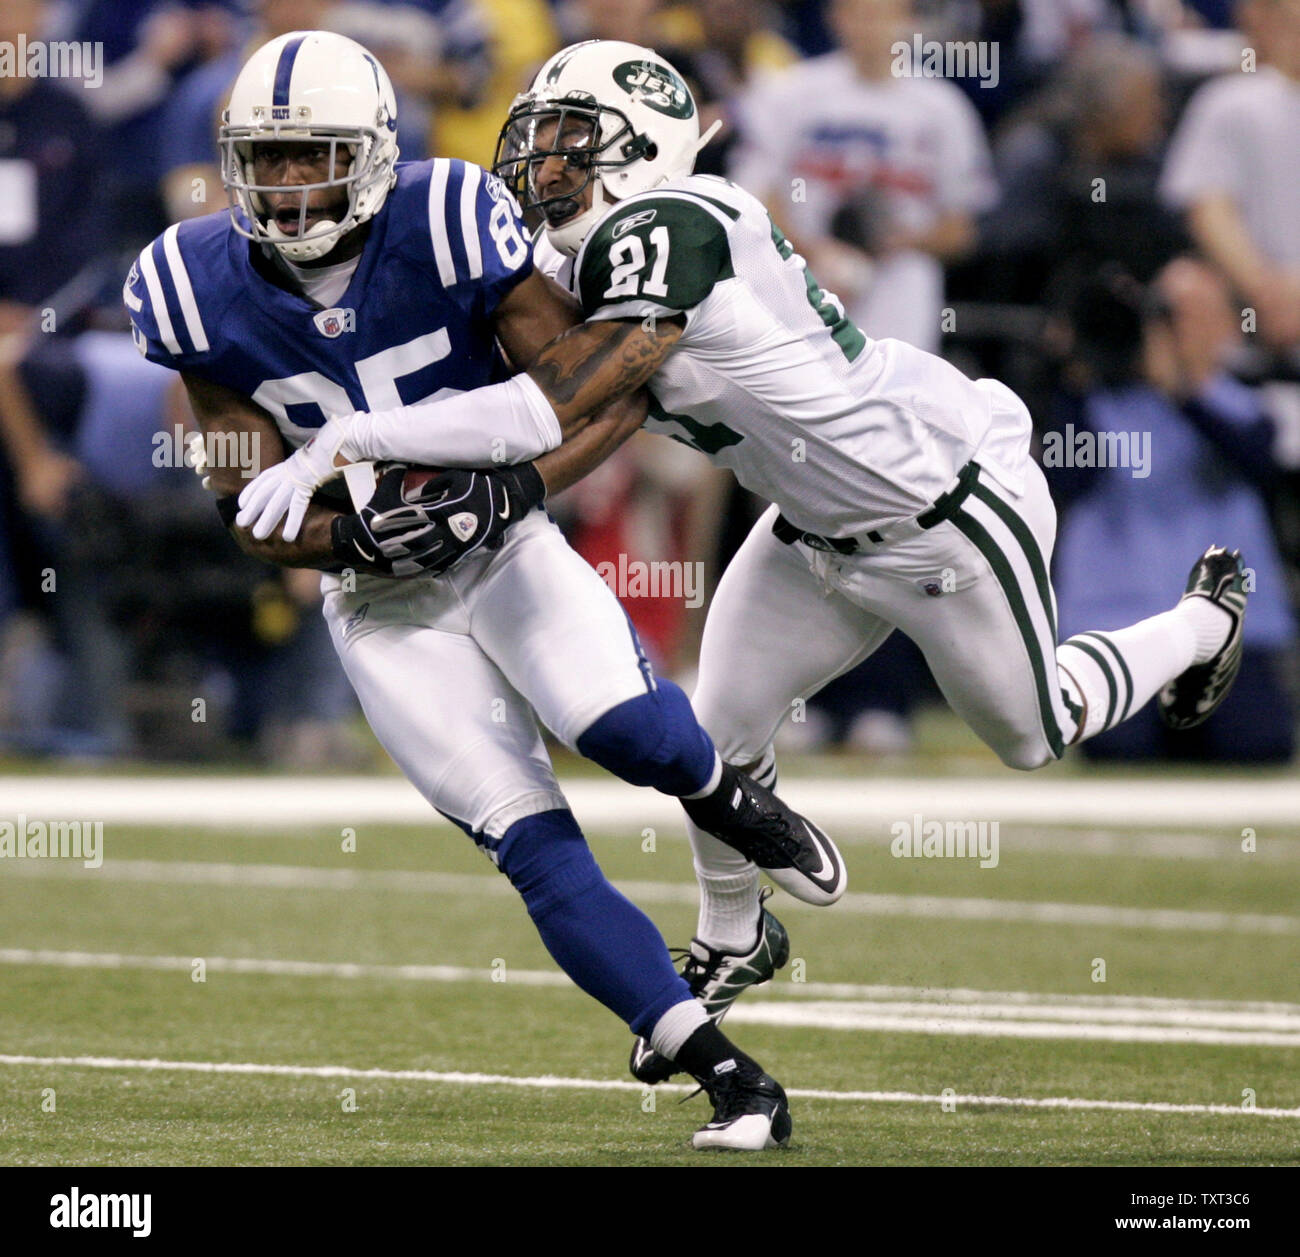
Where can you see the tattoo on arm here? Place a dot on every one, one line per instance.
(595, 363)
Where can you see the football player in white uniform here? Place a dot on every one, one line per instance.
(903, 494)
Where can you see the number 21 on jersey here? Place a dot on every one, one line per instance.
(627, 259)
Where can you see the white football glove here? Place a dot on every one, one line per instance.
(284, 490)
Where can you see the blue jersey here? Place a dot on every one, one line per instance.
(414, 323)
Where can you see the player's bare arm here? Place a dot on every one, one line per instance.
(594, 364)
(221, 410)
(579, 456)
(533, 316)
(578, 366)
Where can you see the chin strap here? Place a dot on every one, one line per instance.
(307, 249)
(568, 237)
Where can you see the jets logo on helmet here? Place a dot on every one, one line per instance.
(616, 111)
(657, 86)
(309, 87)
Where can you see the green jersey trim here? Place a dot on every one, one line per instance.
(843, 331)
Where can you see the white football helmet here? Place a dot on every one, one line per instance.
(619, 111)
(310, 85)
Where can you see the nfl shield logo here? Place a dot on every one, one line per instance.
(464, 525)
(335, 322)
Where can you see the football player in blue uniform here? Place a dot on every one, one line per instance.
(343, 281)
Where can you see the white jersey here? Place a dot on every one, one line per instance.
(771, 380)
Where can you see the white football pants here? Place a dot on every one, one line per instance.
(970, 593)
(451, 669)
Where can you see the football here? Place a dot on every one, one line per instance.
(416, 478)
(363, 478)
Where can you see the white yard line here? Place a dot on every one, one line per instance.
(1156, 1006)
(939, 1019)
(1015, 1014)
(454, 1078)
(297, 877)
(1227, 805)
(276, 968)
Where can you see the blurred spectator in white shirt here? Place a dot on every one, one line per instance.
(1234, 166)
(875, 176)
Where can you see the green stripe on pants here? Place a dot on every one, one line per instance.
(980, 538)
(1025, 538)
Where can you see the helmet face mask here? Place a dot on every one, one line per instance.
(618, 108)
(257, 222)
(586, 136)
(309, 89)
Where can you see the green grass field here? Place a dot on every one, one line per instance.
(99, 964)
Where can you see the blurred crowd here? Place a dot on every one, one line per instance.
(1101, 208)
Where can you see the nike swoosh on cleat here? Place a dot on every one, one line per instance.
(827, 869)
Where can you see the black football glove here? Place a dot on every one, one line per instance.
(427, 522)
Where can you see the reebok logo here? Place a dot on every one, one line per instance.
(633, 221)
(355, 618)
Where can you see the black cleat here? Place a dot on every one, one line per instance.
(716, 979)
(750, 1111)
(791, 850)
(1192, 697)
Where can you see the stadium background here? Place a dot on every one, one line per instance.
(1106, 228)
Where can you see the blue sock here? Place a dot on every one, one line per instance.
(603, 941)
(653, 740)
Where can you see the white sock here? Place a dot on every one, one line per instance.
(729, 886)
(1210, 623)
(729, 883)
(1116, 673)
(676, 1026)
